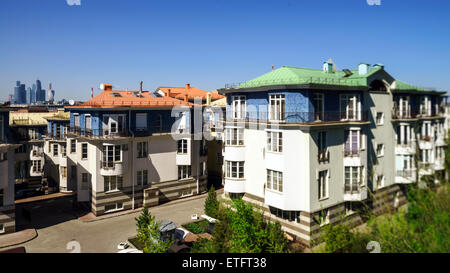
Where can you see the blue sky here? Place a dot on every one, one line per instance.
(211, 43)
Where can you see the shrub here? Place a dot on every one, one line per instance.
(211, 203)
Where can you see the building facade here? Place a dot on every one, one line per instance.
(7, 206)
(127, 148)
(312, 146)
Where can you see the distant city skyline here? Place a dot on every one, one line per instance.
(212, 43)
(31, 95)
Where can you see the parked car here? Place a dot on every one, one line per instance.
(26, 193)
(123, 245)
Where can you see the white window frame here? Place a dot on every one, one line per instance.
(142, 149)
(55, 149)
(381, 120)
(238, 107)
(274, 141)
(360, 140)
(184, 172)
(274, 180)
(352, 180)
(36, 166)
(380, 153)
(319, 100)
(117, 207)
(142, 177)
(73, 146)
(234, 169)
(82, 151)
(323, 184)
(277, 110)
(345, 99)
(110, 181)
(184, 146)
(234, 136)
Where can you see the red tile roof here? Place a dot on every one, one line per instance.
(192, 92)
(106, 99)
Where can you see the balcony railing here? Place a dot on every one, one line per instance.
(148, 131)
(302, 117)
(406, 173)
(352, 188)
(404, 114)
(98, 132)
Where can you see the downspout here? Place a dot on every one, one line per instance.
(131, 148)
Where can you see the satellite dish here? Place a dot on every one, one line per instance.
(71, 102)
(102, 86)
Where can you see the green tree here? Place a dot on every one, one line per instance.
(148, 234)
(211, 203)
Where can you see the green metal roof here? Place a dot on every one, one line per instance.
(295, 75)
(403, 86)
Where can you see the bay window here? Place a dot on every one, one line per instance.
(113, 183)
(234, 136)
(234, 169)
(274, 180)
(274, 141)
(277, 107)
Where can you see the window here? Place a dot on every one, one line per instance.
(23, 149)
(352, 178)
(349, 107)
(55, 149)
(234, 169)
(141, 122)
(37, 166)
(274, 180)
(234, 136)
(203, 168)
(63, 150)
(323, 184)
(142, 148)
(380, 118)
(2, 197)
(238, 107)
(84, 181)
(349, 208)
(184, 171)
(142, 178)
(318, 106)
(274, 141)
(403, 134)
(73, 146)
(64, 172)
(322, 141)
(292, 216)
(2, 228)
(182, 146)
(76, 118)
(158, 123)
(277, 107)
(352, 142)
(380, 150)
(380, 181)
(114, 207)
(3, 156)
(112, 183)
(84, 151)
(324, 217)
(111, 154)
(114, 124)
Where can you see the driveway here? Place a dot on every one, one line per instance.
(102, 236)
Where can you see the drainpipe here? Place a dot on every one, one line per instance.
(131, 148)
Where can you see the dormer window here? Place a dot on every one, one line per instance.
(116, 95)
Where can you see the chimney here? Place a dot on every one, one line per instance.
(208, 98)
(107, 87)
(140, 87)
(188, 86)
(273, 67)
(92, 93)
(363, 68)
(168, 92)
(186, 97)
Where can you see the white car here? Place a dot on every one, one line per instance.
(131, 250)
(123, 245)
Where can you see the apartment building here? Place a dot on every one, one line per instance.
(310, 146)
(129, 148)
(7, 206)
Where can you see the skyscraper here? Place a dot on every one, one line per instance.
(40, 93)
(28, 96)
(51, 93)
(33, 93)
(19, 93)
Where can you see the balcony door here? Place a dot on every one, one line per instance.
(277, 106)
(350, 107)
(404, 107)
(114, 124)
(238, 107)
(318, 104)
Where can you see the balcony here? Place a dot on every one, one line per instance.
(405, 176)
(108, 168)
(234, 185)
(98, 133)
(310, 118)
(149, 131)
(36, 154)
(405, 148)
(404, 114)
(355, 192)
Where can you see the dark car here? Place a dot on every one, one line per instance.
(26, 193)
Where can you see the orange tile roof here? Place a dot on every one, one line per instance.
(127, 99)
(192, 92)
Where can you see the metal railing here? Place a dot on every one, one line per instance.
(406, 173)
(352, 188)
(301, 117)
(99, 132)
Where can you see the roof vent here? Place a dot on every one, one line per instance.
(188, 86)
(363, 68)
(328, 67)
(379, 65)
(347, 72)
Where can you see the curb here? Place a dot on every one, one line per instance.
(22, 242)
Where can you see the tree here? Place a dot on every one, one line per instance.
(148, 234)
(211, 203)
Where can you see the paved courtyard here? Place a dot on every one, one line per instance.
(56, 226)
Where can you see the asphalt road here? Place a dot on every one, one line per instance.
(56, 227)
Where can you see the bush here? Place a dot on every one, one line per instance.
(211, 203)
